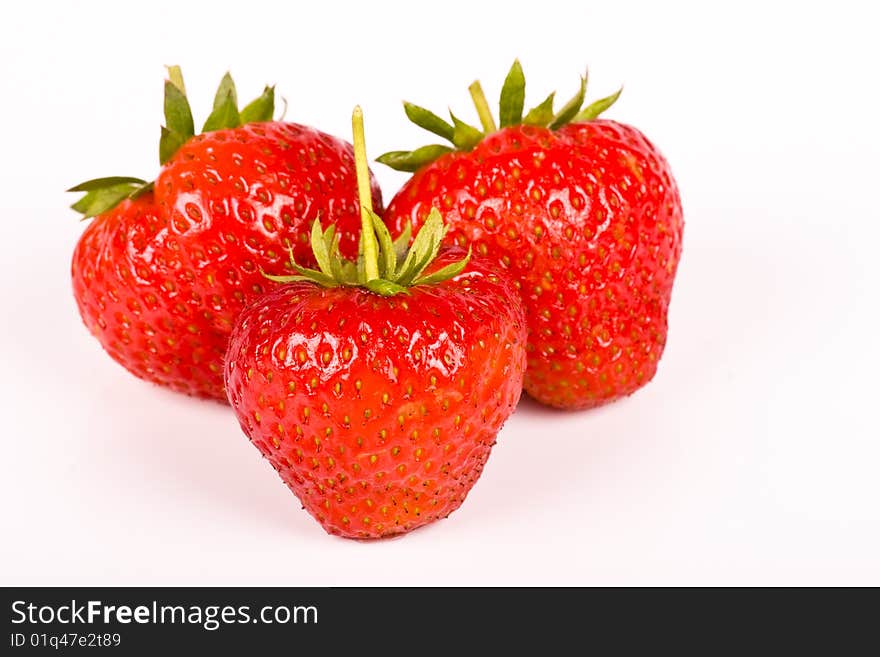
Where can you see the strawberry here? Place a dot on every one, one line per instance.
(583, 212)
(164, 269)
(376, 389)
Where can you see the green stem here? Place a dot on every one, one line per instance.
(483, 111)
(369, 245)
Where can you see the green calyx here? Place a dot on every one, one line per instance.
(510, 112)
(384, 266)
(225, 114)
(103, 194)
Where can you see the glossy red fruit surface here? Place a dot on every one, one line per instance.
(259, 186)
(379, 412)
(588, 220)
(160, 279)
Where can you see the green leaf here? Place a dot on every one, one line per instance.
(305, 274)
(428, 120)
(286, 278)
(401, 244)
(413, 160)
(290, 257)
(226, 88)
(82, 205)
(169, 143)
(319, 248)
(417, 253)
(513, 95)
(424, 248)
(594, 109)
(176, 77)
(225, 115)
(406, 270)
(101, 200)
(571, 108)
(541, 114)
(331, 242)
(102, 183)
(330, 238)
(349, 272)
(387, 255)
(445, 273)
(143, 189)
(465, 136)
(426, 260)
(178, 115)
(385, 288)
(261, 108)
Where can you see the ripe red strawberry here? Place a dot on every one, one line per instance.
(164, 269)
(376, 390)
(583, 212)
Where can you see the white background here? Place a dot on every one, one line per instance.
(752, 458)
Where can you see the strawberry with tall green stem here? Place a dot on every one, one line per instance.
(165, 267)
(376, 388)
(583, 212)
